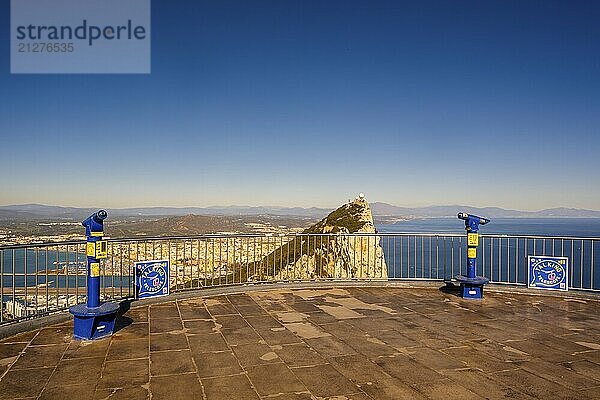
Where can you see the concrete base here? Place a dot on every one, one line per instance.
(92, 323)
(471, 288)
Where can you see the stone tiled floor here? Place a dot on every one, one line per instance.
(344, 343)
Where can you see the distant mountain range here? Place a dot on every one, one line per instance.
(380, 211)
(384, 209)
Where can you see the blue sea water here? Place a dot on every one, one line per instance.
(576, 227)
(502, 259)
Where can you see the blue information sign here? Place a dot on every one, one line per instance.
(548, 272)
(152, 278)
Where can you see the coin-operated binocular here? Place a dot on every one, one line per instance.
(471, 286)
(94, 320)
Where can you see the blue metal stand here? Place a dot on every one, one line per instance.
(471, 286)
(94, 320)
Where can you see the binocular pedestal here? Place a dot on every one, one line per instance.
(94, 320)
(471, 288)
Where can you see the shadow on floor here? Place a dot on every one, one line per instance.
(122, 321)
(451, 288)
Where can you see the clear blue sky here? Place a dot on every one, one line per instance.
(309, 102)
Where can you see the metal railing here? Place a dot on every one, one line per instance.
(39, 279)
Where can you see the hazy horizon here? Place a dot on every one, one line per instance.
(288, 206)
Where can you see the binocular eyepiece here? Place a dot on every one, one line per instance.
(94, 221)
(465, 217)
(100, 215)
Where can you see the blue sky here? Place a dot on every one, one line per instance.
(308, 103)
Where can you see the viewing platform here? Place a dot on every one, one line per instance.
(356, 341)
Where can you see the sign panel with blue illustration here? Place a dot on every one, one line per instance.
(152, 278)
(548, 272)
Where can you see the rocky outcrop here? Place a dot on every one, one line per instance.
(343, 245)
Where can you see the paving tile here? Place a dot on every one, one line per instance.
(593, 356)
(168, 310)
(278, 335)
(229, 387)
(166, 325)
(585, 368)
(9, 350)
(175, 387)
(221, 309)
(321, 317)
(304, 306)
(298, 355)
(56, 335)
(216, 364)
(263, 321)
(539, 350)
(138, 314)
(330, 347)
(557, 373)
(171, 362)
(231, 321)
(199, 326)
(358, 369)
(446, 389)
(434, 359)
(76, 371)
(73, 392)
(207, 343)
(592, 393)
(370, 347)
(325, 381)
(299, 396)
(388, 388)
(481, 384)
(478, 360)
(40, 356)
(24, 337)
(534, 385)
(125, 373)
(251, 310)
(83, 348)
(255, 354)
(273, 379)
(396, 340)
(133, 331)
(240, 299)
(168, 341)
(128, 349)
(244, 335)
(193, 312)
(128, 393)
(408, 370)
(23, 383)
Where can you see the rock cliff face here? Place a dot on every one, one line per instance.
(343, 245)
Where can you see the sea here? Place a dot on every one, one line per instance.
(572, 227)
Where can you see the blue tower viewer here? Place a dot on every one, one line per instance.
(94, 320)
(471, 286)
